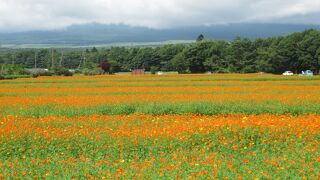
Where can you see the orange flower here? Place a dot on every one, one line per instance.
(245, 160)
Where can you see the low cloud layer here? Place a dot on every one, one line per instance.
(22, 15)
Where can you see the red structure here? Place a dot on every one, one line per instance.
(138, 72)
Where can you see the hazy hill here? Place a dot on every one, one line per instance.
(90, 34)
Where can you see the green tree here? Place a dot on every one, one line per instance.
(200, 38)
(180, 63)
(242, 55)
(308, 49)
(217, 62)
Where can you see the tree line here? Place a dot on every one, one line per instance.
(296, 52)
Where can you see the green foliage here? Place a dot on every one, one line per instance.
(154, 69)
(94, 50)
(89, 65)
(61, 71)
(179, 63)
(200, 38)
(115, 67)
(153, 108)
(43, 73)
(12, 69)
(295, 52)
(80, 156)
(92, 72)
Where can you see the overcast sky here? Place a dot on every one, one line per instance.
(21, 15)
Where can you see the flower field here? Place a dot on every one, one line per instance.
(160, 127)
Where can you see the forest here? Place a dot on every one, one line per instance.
(295, 52)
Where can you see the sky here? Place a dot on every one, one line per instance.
(26, 15)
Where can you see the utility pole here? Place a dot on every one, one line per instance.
(82, 59)
(52, 60)
(13, 58)
(61, 59)
(80, 63)
(35, 59)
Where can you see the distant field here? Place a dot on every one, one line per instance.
(170, 126)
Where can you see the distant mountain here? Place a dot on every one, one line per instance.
(95, 34)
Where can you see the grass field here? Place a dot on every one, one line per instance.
(173, 126)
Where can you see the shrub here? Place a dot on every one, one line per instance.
(44, 73)
(93, 72)
(78, 71)
(61, 71)
(154, 69)
(115, 67)
(105, 66)
(67, 73)
(35, 75)
(23, 72)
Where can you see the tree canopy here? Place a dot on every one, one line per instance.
(295, 52)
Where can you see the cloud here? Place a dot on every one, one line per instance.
(20, 15)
